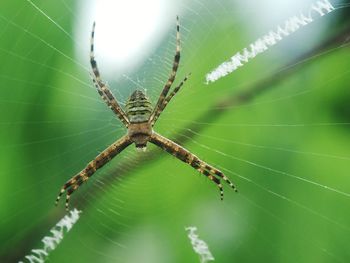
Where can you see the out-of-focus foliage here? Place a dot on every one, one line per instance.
(286, 150)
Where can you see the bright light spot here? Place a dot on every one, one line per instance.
(126, 31)
(123, 29)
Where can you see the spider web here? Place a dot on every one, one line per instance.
(278, 127)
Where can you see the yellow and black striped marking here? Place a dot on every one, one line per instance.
(104, 157)
(164, 93)
(167, 99)
(191, 159)
(139, 117)
(138, 107)
(102, 88)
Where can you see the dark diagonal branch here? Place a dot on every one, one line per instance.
(248, 93)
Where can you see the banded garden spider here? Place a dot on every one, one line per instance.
(139, 118)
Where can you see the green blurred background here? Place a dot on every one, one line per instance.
(285, 145)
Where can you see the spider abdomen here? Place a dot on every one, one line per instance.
(138, 110)
(138, 107)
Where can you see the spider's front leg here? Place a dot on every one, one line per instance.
(104, 157)
(184, 155)
(102, 88)
(156, 112)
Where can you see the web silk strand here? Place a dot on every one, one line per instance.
(290, 26)
(199, 246)
(52, 241)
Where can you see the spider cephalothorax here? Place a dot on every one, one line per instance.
(139, 118)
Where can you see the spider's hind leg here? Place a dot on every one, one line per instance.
(72, 189)
(218, 173)
(184, 155)
(104, 157)
(213, 179)
(70, 186)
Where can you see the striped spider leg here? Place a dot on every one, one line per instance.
(170, 146)
(186, 156)
(157, 110)
(102, 88)
(163, 98)
(167, 99)
(104, 157)
(139, 118)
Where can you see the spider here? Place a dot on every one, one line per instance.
(139, 118)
